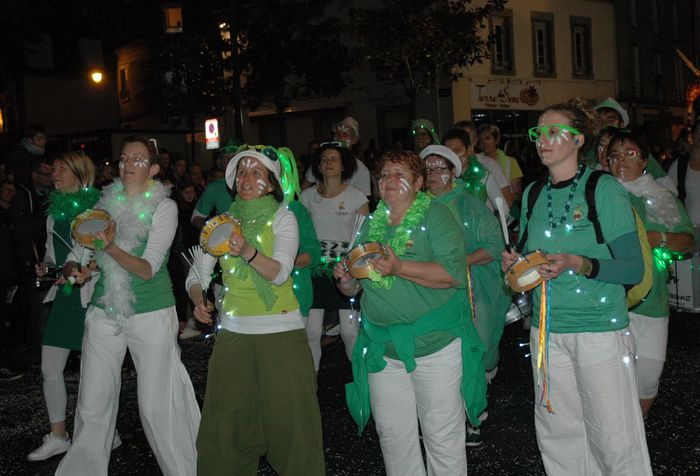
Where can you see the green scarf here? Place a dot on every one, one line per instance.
(66, 206)
(379, 227)
(255, 215)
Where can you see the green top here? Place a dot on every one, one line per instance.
(481, 230)
(152, 294)
(578, 304)
(215, 197)
(438, 239)
(655, 304)
(308, 243)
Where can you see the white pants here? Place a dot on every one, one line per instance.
(53, 363)
(651, 336)
(597, 427)
(430, 394)
(169, 412)
(348, 331)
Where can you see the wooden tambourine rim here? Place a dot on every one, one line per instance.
(212, 224)
(85, 239)
(526, 262)
(358, 252)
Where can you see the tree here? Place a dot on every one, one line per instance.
(291, 50)
(412, 43)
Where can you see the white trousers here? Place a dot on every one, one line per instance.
(430, 394)
(597, 427)
(167, 405)
(651, 337)
(348, 331)
(53, 363)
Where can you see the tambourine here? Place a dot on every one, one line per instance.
(216, 232)
(523, 274)
(87, 224)
(357, 261)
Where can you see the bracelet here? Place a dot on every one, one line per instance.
(252, 257)
(663, 242)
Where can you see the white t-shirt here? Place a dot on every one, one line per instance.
(495, 180)
(692, 190)
(360, 179)
(334, 218)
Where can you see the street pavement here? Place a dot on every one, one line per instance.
(509, 448)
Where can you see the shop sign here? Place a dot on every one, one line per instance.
(506, 94)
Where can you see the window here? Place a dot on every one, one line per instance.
(636, 73)
(502, 43)
(123, 85)
(581, 47)
(173, 18)
(543, 44)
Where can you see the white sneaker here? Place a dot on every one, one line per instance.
(117, 441)
(188, 333)
(53, 445)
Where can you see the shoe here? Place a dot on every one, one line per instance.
(7, 375)
(117, 441)
(473, 436)
(53, 445)
(188, 333)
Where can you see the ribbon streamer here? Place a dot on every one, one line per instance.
(543, 350)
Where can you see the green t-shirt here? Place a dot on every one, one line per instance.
(215, 197)
(578, 304)
(438, 239)
(308, 243)
(655, 304)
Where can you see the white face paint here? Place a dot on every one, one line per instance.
(261, 185)
(247, 162)
(445, 178)
(404, 185)
(138, 160)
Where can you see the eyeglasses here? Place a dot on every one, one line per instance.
(436, 170)
(266, 150)
(550, 131)
(625, 155)
(334, 143)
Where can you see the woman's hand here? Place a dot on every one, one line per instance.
(559, 263)
(41, 269)
(508, 257)
(390, 265)
(236, 244)
(202, 312)
(340, 273)
(107, 241)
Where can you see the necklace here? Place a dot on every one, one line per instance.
(567, 206)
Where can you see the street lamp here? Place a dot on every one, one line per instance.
(96, 76)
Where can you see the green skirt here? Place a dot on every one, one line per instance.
(66, 322)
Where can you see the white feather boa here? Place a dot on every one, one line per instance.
(133, 217)
(659, 202)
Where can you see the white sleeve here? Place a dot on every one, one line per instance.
(673, 172)
(309, 176)
(499, 177)
(360, 179)
(205, 271)
(284, 250)
(50, 254)
(196, 213)
(163, 228)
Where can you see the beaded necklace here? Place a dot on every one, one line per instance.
(567, 206)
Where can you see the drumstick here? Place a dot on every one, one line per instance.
(500, 204)
(36, 253)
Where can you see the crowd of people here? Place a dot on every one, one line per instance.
(408, 247)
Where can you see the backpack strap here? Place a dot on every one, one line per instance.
(590, 202)
(681, 172)
(531, 200)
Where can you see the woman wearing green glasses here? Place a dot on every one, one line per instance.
(587, 415)
(260, 397)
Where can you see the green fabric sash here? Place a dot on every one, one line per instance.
(368, 356)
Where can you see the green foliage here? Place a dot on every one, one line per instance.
(414, 42)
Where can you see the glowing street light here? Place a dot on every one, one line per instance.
(96, 77)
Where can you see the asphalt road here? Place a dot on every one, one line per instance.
(510, 448)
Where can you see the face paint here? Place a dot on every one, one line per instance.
(261, 185)
(445, 178)
(137, 160)
(247, 163)
(405, 186)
